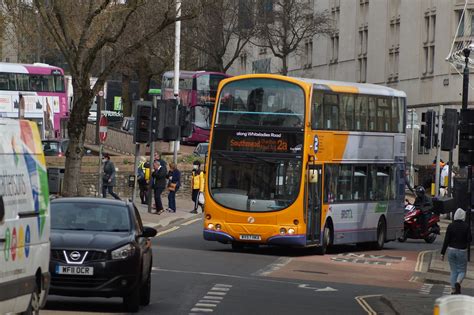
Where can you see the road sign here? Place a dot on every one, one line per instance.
(103, 128)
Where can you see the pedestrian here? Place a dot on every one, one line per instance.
(174, 182)
(143, 179)
(159, 184)
(197, 185)
(108, 177)
(457, 239)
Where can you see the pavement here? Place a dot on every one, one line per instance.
(432, 272)
(183, 207)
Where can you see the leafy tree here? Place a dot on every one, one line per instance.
(283, 24)
(82, 29)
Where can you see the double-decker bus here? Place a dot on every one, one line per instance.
(38, 91)
(305, 162)
(197, 89)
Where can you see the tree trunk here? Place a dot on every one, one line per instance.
(77, 133)
(144, 77)
(126, 103)
(284, 68)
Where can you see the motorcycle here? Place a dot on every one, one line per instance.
(412, 225)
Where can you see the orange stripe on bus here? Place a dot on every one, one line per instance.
(343, 89)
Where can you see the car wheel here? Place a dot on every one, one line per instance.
(132, 301)
(145, 291)
(34, 305)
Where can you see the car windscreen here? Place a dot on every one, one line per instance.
(89, 217)
(50, 148)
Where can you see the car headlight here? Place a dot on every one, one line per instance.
(123, 252)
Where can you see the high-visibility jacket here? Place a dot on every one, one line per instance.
(197, 180)
(144, 170)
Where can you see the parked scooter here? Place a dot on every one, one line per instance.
(412, 227)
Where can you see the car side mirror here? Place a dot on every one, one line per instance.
(149, 232)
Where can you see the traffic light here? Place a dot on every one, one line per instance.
(466, 138)
(428, 129)
(184, 121)
(143, 121)
(449, 138)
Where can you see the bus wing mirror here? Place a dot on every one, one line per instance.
(313, 176)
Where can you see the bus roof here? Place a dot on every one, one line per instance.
(352, 87)
(36, 68)
(190, 74)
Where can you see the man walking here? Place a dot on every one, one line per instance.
(108, 178)
(159, 184)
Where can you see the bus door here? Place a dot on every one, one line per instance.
(314, 203)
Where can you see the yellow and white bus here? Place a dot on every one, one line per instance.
(305, 162)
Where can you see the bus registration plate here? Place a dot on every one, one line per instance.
(75, 270)
(250, 237)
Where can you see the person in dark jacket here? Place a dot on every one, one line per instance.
(108, 177)
(174, 182)
(159, 184)
(457, 239)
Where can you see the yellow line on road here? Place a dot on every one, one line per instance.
(192, 221)
(174, 228)
(363, 303)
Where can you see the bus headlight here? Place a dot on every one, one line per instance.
(210, 226)
(282, 231)
(291, 231)
(218, 227)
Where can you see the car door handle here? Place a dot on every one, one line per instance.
(28, 214)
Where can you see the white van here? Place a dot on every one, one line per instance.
(24, 218)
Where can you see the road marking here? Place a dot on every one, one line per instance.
(210, 300)
(174, 228)
(206, 310)
(207, 274)
(363, 303)
(326, 289)
(220, 289)
(216, 293)
(276, 265)
(447, 290)
(213, 298)
(191, 221)
(419, 264)
(199, 304)
(426, 288)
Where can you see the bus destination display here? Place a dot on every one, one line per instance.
(258, 141)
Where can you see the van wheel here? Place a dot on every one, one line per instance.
(132, 301)
(34, 305)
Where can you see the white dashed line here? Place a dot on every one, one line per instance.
(191, 221)
(447, 290)
(174, 228)
(426, 289)
(211, 299)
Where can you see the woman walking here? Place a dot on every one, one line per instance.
(457, 239)
(174, 182)
(197, 184)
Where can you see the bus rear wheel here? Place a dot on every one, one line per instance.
(326, 241)
(381, 234)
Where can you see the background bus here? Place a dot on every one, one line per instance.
(40, 89)
(305, 162)
(197, 89)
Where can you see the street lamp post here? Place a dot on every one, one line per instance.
(465, 91)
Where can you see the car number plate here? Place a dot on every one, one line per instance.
(250, 237)
(75, 270)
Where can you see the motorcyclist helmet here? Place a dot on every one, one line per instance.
(420, 191)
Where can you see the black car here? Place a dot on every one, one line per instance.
(99, 248)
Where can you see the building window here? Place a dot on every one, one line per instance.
(394, 40)
(429, 42)
(335, 13)
(243, 62)
(308, 54)
(363, 40)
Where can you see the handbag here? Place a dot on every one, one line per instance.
(172, 186)
(201, 198)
